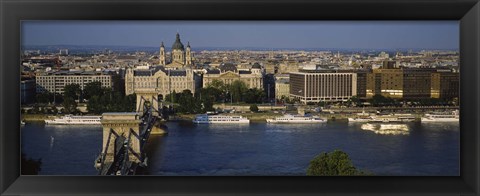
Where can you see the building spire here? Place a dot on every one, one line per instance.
(162, 45)
(188, 44)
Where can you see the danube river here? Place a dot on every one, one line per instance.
(257, 149)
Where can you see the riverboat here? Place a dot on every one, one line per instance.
(288, 118)
(74, 120)
(453, 116)
(393, 118)
(219, 119)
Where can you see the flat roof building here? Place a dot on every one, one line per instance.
(56, 81)
(316, 86)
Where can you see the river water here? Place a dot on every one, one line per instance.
(415, 149)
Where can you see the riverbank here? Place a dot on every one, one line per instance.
(254, 117)
(262, 116)
(35, 117)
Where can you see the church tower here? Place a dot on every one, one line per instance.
(188, 55)
(178, 51)
(162, 55)
(129, 81)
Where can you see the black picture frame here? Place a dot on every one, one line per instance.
(13, 11)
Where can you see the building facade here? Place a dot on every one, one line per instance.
(362, 84)
(159, 80)
(228, 73)
(316, 86)
(55, 82)
(385, 82)
(445, 85)
(282, 88)
(413, 83)
(27, 91)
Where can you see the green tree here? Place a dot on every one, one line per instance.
(94, 106)
(118, 84)
(92, 89)
(207, 96)
(187, 103)
(237, 89)
(254, 95)
(379, 100)
(220, 89)
(336, 163)
(254, 108)
(130, 102)
(44, 97)
(355, 100)
(69, 105)
(72, 91)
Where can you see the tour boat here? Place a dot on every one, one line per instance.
(74, 120)
(442, 117)
(361, 117)
(386, 129)
(288, 118)
(219, 119)
(393, 118)
(22, 122)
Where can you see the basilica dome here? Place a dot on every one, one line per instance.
(177, 45)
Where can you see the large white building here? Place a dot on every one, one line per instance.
(316, 86)
(56, 81)
(174, 74)
(228, 73)
(161, 81)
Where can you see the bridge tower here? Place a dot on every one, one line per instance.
(125, 135)
(119, 129)
(150, 97)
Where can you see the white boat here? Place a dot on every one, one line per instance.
(361, 117)
(219, 119)
(386, 129)
(74, 120)
(385, 118)
(22, 122)
(442, 117)
(288, 118)
(393, 118)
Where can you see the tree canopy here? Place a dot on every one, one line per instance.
(236, 90)
(336, 163)
(72, 91)
(93, 89)
(254, 108)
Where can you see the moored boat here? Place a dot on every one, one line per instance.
(453, 116)
(362, 117)
(219, 119)
(74, 120)
(393, 118)
(288, 118)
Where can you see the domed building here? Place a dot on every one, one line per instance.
(180, 57)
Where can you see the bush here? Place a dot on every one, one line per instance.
(254, 108)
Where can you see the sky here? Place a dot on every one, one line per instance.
(241, 34)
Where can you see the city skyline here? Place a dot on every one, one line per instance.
(244, 34)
